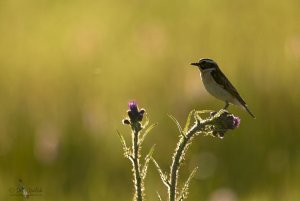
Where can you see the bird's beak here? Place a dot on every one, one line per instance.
(195, 64)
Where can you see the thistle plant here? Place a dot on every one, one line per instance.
(139, 132)
(215, 124)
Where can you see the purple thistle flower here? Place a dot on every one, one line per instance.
(135, 115)
(222, 122)
(132, 105)
(236, 122)
(230, 121)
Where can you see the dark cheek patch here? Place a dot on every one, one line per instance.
(206, 66)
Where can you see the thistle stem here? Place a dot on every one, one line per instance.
(136, 167)
(178, 156)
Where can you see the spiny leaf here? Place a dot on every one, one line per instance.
(178, 125)
(146, 120)
(163, 176)
(188, 121)
(184, 192)
(147, 160)
(159, 198)
(204, 111)
(146, 133)
(197, 113)
(125, 148)
(197, 117)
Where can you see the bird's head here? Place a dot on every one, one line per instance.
(206, 65)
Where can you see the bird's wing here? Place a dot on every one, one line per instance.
(222, 80)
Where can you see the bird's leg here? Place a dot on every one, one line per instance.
(226, 105)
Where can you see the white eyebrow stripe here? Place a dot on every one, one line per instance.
(209, 69)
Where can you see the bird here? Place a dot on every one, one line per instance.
(217, 84)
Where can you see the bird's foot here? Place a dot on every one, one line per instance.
(226, 105)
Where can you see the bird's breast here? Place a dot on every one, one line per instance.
(215, 89)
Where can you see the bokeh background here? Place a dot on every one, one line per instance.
(68, 69)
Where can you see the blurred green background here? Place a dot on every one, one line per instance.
(68, 69)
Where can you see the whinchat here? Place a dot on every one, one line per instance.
(218, 85)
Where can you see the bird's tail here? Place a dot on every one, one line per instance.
(247, 109)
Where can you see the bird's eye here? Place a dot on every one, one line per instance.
(207, 64)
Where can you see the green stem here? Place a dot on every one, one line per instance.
(136, 167)
(178, 156)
